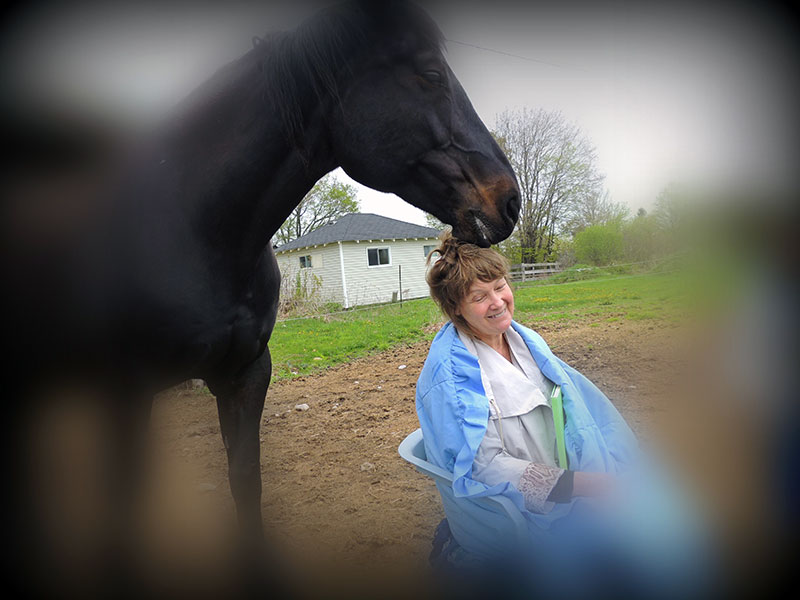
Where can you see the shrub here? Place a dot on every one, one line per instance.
(599, 245)
(643, 239)
(301, 292)
(564, 251)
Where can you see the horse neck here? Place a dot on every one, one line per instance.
(245, 180)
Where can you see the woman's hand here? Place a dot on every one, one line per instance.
(595, 485)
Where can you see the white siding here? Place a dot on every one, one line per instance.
(369, 285)
(324, 265)
(365, 284)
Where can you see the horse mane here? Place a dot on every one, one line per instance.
(299, 67)
(314, 60)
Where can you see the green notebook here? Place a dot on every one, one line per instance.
(557, 404)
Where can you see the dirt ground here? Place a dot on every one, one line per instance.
(345, 514)
(338, 500)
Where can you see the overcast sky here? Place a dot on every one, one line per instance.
(695, 93)
(699, 92)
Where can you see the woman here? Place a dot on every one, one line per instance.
(483, 401)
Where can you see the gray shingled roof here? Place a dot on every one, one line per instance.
(360, 227)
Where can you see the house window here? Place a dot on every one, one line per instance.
(378, 256)
(428, 249)
(305, 262)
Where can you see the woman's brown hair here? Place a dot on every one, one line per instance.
(459, 265)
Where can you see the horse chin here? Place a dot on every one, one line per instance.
(485, 236)
(469, 225)
(475, 232)
(477, 239)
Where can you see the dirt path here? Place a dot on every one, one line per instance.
(339, 501)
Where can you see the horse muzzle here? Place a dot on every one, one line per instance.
(490, 214)
(472, 191)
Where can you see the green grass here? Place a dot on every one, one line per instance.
(302, 346)
(657, 296)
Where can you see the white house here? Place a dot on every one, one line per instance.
(362, 259)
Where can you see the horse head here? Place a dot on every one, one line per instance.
(404, 125)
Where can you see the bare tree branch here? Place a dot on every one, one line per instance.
(555, 168)
(324, 204)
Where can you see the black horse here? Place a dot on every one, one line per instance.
(170, 275)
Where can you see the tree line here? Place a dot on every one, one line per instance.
(566, 213)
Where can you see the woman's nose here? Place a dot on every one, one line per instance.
(495, 299)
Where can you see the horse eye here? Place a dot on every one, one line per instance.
(433, 76)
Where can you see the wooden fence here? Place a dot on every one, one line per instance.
(529, 271)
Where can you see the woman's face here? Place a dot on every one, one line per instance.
(488, 307)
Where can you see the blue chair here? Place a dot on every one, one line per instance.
(476, 523)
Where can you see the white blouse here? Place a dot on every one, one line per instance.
(520, 443)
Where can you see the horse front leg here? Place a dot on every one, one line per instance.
(240, 402)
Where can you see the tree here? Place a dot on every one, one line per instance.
(434, 222)
(673, 214)
(328, 200)
(594, 209)
(599, 244)
(671, 207)
(555, 168)
(510, 248)
(642, 238)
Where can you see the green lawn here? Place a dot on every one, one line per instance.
(301, 346)
(634, 297)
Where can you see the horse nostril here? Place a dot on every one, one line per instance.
(512, 207)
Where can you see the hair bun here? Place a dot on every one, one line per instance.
(449, 248)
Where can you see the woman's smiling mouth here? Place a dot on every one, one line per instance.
(500, 314)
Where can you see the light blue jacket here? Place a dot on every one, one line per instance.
(453, 412)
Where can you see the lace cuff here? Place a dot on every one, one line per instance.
(536, 483)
